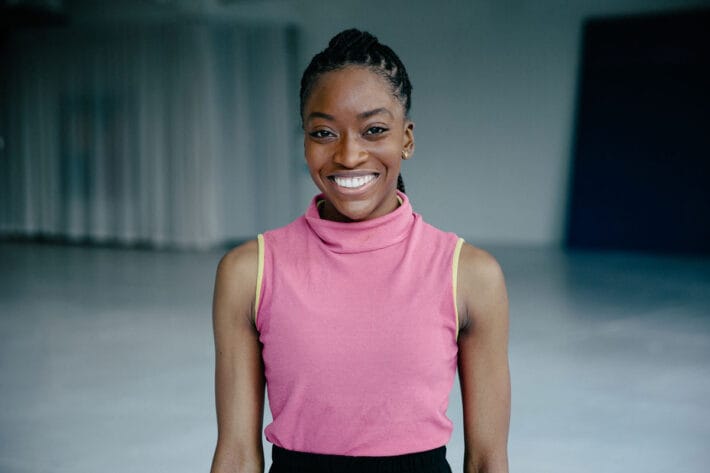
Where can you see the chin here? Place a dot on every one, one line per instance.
(354, 211)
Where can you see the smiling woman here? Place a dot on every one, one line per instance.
(357, 314)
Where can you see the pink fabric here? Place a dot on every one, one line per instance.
(358, 327)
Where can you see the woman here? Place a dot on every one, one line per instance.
(357, 314)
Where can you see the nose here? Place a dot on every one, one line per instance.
(350, 153)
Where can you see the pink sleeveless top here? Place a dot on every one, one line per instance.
(358, 324)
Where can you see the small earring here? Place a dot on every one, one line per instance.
(405, 155)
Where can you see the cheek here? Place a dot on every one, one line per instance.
(389, 151)
(314, 157)
(309, 151)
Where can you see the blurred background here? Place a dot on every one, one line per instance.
(140, 139)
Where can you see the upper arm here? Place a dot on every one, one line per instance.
(239, 374)
(483, 360)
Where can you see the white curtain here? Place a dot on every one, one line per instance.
(165, 135)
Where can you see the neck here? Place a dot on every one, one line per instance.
(327, 211)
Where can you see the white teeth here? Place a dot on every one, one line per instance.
(353, 182)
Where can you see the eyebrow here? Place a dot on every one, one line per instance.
(360, 116)
(313, 115)
(374, 112)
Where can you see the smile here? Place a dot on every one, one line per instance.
(353, 182)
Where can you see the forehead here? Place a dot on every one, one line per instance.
(353, 88)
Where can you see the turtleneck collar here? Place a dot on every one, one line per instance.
(363, 236)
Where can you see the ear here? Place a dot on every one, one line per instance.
(408, 143)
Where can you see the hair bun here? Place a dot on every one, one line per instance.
(352, 38)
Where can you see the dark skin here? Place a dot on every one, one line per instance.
(355, 137)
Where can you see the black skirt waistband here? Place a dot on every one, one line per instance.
(289, 461)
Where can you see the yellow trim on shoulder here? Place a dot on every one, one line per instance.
(259, 274)
(455, 279)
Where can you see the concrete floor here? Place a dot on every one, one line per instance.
(106, 361)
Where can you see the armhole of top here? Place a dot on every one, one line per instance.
(455, 279)
(259, 274)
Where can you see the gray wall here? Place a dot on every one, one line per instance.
(494, 99)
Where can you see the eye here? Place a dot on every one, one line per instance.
(375, 130)
(321, 134)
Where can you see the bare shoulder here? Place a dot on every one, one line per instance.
(235, 284)
(479, 264)
(481, 286)
(240, 260)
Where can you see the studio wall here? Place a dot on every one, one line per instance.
(495, 88)
(494, 101)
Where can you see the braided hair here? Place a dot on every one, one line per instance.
(353, 47)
